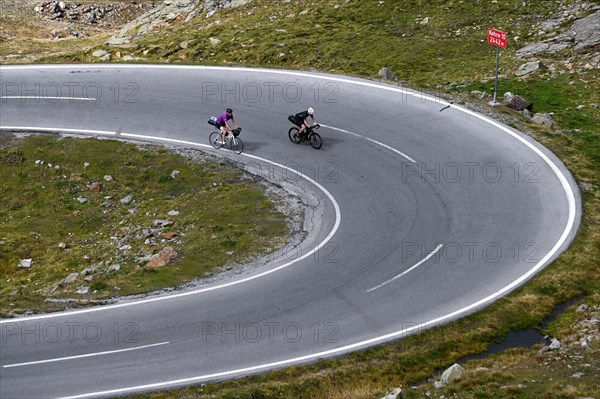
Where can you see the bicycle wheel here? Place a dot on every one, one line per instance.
(237, 145)
(215, 140)
(293, 135)
(316, 141)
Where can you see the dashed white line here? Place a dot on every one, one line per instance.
(38, 98)
(371, 140)
(60, 359)
(407, 271)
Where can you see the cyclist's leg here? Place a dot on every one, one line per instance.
(223, 133)
(302, 129)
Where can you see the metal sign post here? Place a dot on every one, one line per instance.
(498, 39)
(497, 67)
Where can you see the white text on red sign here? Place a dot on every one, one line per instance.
(497, 38)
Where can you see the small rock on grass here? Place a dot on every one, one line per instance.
(163, 258)
(26, 263)
(395, 393)
(70, 279)
(126, 200)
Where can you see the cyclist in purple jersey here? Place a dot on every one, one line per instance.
(222, 122)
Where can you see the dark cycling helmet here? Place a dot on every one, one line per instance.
(229, 111)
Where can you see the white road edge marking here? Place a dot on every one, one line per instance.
(397, 334)
(60, 359)
(371, 140)
(407, 271)
(200, 290)
(38, 98)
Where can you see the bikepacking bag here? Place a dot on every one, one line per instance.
(292, 118)
(213, 121)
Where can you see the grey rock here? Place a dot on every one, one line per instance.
(551, 23)
(395, 393)
(173, 213)
(541, 48)
(586, 31)
(88, 270)
(99, 53)
(582, 308)
(578, 375)
(83, 290)
(214, 41)
(516, 102)
(386, 74)
(70, 279)
(161, 223)
(175, 173)
(527, 114)
(114, 268)
(543, 119)
(128, 58)
(126, 200)
(452, 373)
(583, 34)
(82, 200)
(530, 67)
(107, 57)
(26, 263)
(439, 385)
(554, 345)
(512, 387)
(149, 233)
(108, 178)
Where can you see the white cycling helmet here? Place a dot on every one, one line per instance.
(311, 111)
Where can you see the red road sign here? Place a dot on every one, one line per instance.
(497, 37)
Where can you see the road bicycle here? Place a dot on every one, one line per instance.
(232, 141)
(309, 135)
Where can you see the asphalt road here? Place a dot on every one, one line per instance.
(420, 216)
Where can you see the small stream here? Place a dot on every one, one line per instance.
(522, 338)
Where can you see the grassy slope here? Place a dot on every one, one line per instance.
(223, 218)
(358, 38)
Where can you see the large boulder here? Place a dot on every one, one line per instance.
(452, 373)
(543, 119)
(530, 67)
(583, 34)
(516, 102)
